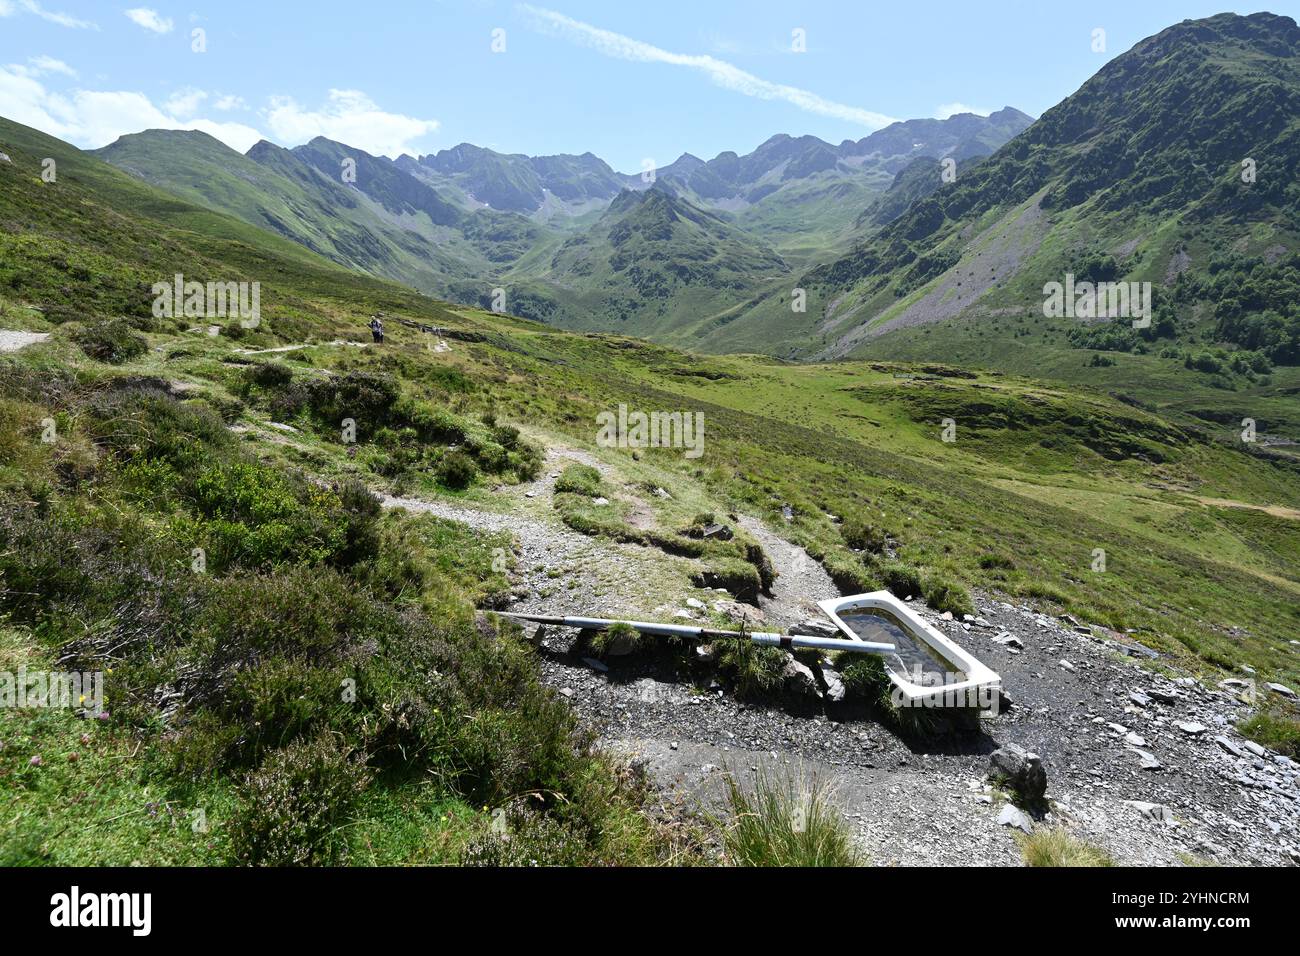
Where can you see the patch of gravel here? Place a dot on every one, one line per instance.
(12, 341)
(926, 802)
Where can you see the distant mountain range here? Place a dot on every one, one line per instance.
(565, 236)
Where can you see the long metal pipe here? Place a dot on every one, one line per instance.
(766, 638)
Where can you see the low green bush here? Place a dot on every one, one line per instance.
(861, 535)
(1278, 731)
(753, 670)
(944, 594)
(579, 480)
(901, 579)
(457, 469)
(293, 807)
(112, 341)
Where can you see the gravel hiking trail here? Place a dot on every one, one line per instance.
(11, 341)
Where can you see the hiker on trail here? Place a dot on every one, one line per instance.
(377, 330)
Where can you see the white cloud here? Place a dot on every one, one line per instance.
(186, 101)
(237, 136)
(150, 19)
(722, 73)
(349, 117)
(952, 109)
(40, 65)
(9, 8)
(48, 64)
(91, 118)
(228, 102)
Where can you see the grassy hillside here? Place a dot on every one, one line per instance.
(227, 691)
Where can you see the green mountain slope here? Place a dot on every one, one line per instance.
(1138, 175)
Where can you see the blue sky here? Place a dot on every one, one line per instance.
(627, 81)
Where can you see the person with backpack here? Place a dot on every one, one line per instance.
(377, 330)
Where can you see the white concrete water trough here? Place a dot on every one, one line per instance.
(927, 668)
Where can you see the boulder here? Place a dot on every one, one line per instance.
(1281, 690)
(750, 617)
(622, 644)
(1018, 770)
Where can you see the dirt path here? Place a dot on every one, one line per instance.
(11, 341)
(801, 581)
(1277, 511)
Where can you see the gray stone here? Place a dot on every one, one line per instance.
(1191, 728)
(1019, 770)
(1149, 761)
(1229, 746)
(1152, 811)
(1012, 816)
(622, 644)
(815, 628)
(1281, 689)
(799, 679)
(834, 686)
